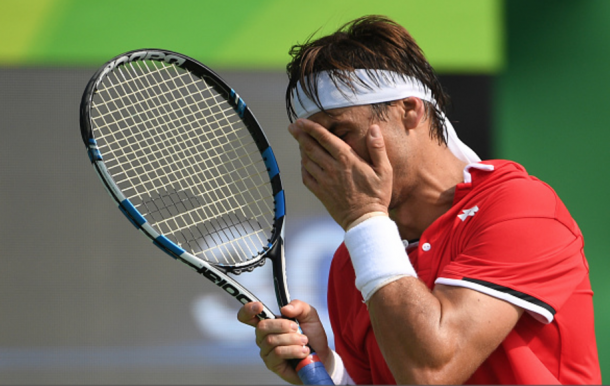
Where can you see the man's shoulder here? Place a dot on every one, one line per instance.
(509, 188)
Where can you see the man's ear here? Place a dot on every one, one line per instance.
(413, 113)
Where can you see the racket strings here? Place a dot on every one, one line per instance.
(164, 160)
(189, 161)
(267, 209)
(131, 136)
(170, 155)
(229, 184)
(237, 138)
(220, 202)
(222, 229)
(222, 232)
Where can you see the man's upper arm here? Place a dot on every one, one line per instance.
(480, 321)
(444, 335)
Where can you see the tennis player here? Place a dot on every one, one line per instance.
(453, 270)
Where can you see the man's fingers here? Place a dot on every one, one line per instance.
(301, 311)
(276, 361)
(248, 313)
(275, 326)
(316, 140)
(308, 145)
(284, 344)
(313, 169)
(325, 138)
(377, 149)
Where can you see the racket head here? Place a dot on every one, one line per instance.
(185, 159)
(147, 177)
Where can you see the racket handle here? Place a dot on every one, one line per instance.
(311, 370)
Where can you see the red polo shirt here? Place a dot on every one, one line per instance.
(507, 235)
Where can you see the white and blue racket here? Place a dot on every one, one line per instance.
(188, 164)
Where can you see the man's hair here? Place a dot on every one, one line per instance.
(371, 43)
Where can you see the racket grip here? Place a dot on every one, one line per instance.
(311, 370)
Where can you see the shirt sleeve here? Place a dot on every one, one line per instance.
(533, 263)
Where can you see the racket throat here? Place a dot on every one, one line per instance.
(276, 254)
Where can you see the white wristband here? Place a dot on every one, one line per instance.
(378, 254)
(337, 372)
(365, 217)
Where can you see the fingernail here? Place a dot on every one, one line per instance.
(294, 326)
(305, 349)
(304, 340)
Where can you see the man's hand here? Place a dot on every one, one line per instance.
(279, 339)
(343, 181)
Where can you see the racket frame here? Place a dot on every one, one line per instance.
(217, 274)
(310, 370)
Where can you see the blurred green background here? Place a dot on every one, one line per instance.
(551, 116)
(236, 34)
(547, 61)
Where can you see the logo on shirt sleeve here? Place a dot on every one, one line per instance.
(468, 213)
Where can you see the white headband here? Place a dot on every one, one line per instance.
(383, 86)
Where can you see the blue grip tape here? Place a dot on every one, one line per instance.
(315, 374)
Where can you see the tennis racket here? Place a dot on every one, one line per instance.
(190, 167)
